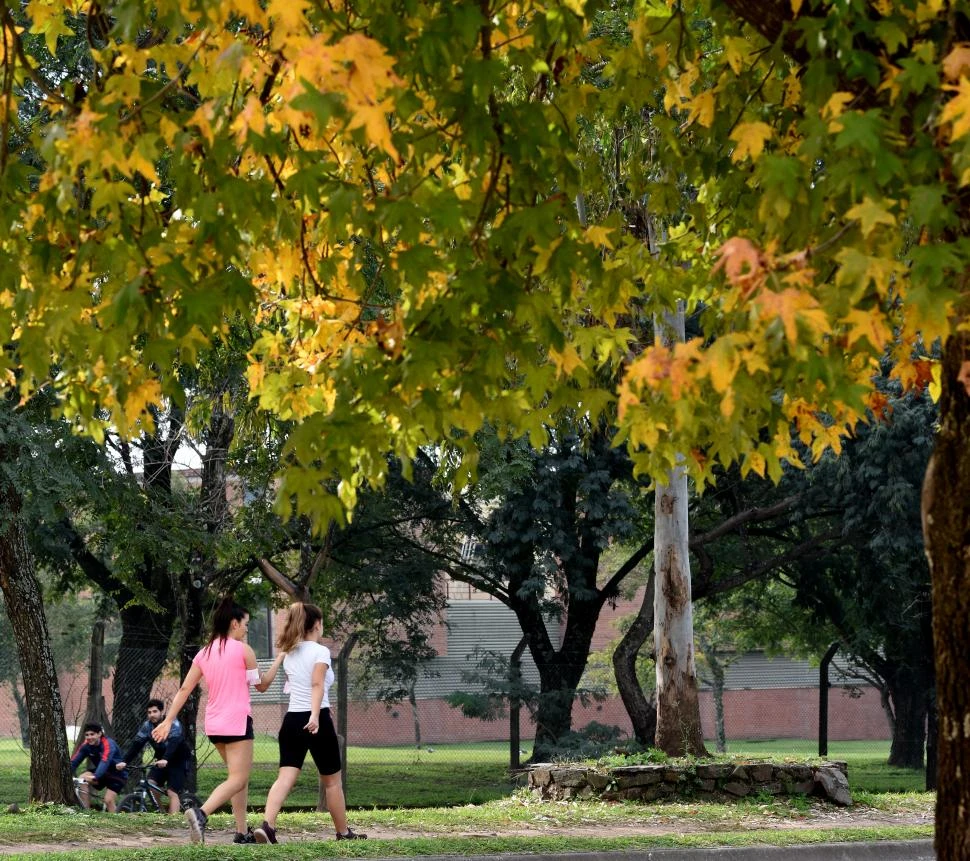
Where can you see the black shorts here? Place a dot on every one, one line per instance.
(113, 782)
(296, 742)
(173, 774)
(229, 739)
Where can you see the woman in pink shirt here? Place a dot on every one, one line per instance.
(229, 667)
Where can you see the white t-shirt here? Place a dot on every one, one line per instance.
(298, 666)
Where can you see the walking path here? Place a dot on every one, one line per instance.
(821, 817)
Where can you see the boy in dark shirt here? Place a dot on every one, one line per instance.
(171, 755)
(102, 755)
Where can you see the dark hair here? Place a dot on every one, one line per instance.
(155, 704)
(227, 611)
(93, 727)
(299, 622)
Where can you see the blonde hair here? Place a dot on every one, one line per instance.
(300, 620)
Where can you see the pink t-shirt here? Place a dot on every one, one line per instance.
(223, 665)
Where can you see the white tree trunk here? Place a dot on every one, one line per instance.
(678, 713)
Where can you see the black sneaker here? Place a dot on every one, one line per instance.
(248, 837)
(196, 819)
(351, 835)
(265, 833)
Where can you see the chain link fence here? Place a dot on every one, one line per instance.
(766, 707)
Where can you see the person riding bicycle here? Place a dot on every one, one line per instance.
(171, 755)
(104, 767)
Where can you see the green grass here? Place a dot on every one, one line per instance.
(460, 774)
(510, 825)
(868, 770)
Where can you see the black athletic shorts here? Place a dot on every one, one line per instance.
(229, 739)
(173, 774)
(296, 742)
(110, 781)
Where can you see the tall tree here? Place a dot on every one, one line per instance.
(679, 731)
(149, 195)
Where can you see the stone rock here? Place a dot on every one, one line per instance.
(833, 784)
(708, 785)
(714, 770)
(739, 773)
(801, 787)
(571, 777)
(638, 775)
(799, 772)
(772, 787)
(540, 776)
(598, 781)
(738, 789)
(761, 772)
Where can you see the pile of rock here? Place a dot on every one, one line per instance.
(652, 782)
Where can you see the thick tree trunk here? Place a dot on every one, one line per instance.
(95, 710)
(678, 711)
(641, 708)
(193, 637)
(909, 696)
(142, 653)
(515, 704)
(946, 524)
(554, 714)
(50, 776)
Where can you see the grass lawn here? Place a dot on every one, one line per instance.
(868, 770)
(453, 775)
(459, 800)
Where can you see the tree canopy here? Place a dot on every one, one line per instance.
(384, 193)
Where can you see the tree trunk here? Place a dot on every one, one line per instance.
(560, 671)
(142, 653)
(641, 709)
(909, 695)
(932, 763)
(946, 525)
(193, 636)
(95, 710)
(717, 694)
(413, 700)
(22, 718)
(515, 704)
(50, 775)
(678, 711)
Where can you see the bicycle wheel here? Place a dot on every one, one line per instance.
(134, 802)
(188, 799)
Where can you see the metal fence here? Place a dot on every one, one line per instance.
(768, 706)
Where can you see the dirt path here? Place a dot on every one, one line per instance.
(652, 824)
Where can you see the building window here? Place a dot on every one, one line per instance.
(261, 632)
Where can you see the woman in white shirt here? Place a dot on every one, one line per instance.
(307, 726)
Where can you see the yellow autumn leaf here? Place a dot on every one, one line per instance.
(793, 306)
(957, 110)
(566, 361)
(753, 462)
(139, 398)
(723, 362)
(287, 15)
(701, 109)
(750, 139)
(834, 108)
(599, 235)
(870, 325)
(957, 62)
(870, 213)
(736, 49)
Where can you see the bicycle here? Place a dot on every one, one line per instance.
(149, 797)
(94, 797)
